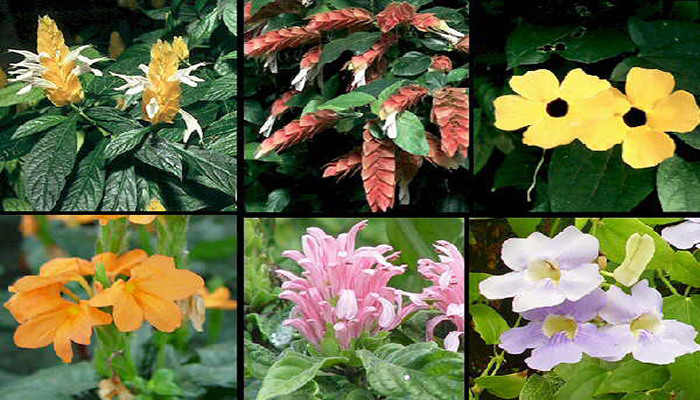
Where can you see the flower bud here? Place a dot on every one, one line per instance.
(639, 251)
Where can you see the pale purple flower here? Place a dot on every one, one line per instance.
(638, 325)
(342, 289)
(684, 235)
(546, 271)
(561, 334)
(447, 291)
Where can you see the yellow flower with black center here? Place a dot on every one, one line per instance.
(554, 113)
(649, 110)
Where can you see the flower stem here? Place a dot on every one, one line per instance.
(534, 177)
(113, 236)
(667, 283)
(90, 120)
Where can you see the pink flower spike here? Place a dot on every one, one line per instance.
(347, 305)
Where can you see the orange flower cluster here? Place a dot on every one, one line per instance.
(437, 155)
(441, 63)
(451, 113)
(463, 45)
(278, 108)
(395, 14)
(360, 63)
(344, 165)
(311, 57)
(428, 22)
(340, 19)
(298, 130)
(47, 317)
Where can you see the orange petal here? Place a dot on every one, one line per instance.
(174, 284)
(26, 305)
(61, 343)
(142, 219)
(109, 296)
(163, 314)
(108, 259)
(130, 260)
(74, 265)
(40, 331)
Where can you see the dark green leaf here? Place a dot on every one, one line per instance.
(678, 185)
(9, 97)
(211, 169)
(633, 376)
(49, 164)
(597, 45)
(530, 44)
(411, 63)
(84, 192)
(503, 386)
(537, 388)
(357, 42)
(123, 142)
(228, 13)
(201, 30)
(347, 101)
(160, 154)
(38, 124)
(112, 119)
(289, 374)
(411, 134)
(585, 180)
(488, 323)
(277, 200)
(61, 382)
(121, 191)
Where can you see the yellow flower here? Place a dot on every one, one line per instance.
(650, 109)
(161, 87)
(180, 48)
(116, 45)
(554, 113)
(54, 68)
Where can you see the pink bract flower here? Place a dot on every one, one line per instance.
(447, 290)
(343, 291)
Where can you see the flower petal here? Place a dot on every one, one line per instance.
(579, 85)
(573, 248)
(676, 113)
(558, 350)
(645, 148)
(620, 308)
(604, 134)
(517, 253)
(163, 314)
(683, 236)
(191, 126)
(514, 112)
(39, 331)
(656, 349)
(546, 294)
(517, 340)
(581, 281)
(503, 286)
(540, 85)
(128, 315)
(452, 340)
(646, 87)
(550, 132)
(596, 343)
(647, 299)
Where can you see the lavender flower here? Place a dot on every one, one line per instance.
(546, 271)
(684, 235)
(639, 327)
(561, 334)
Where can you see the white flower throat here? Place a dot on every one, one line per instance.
(542, 269)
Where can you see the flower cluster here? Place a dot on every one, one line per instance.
(556, 287)
(137, 287)
(56, 69)
(343, 291)
(447, 291)
(587, 108)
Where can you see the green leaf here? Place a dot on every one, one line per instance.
(125, 141)
(385, 94)
(457, 76)
(474, 279)
(503, 386)
(523, 227)
(678, 185)
(411, 134)
(200, 30)
(114, 120)
(582, 379)
(225, 126)
(411, 63)
(277, 200)
(518, 169)
(211, 169)
(160, 154)
(61, 382)
(49, 164)
(488, 323)
(633, 376)
(347, 101)
(417, 371)
(14, 204)
(614, 232)
(84, 191)
(290, 373)
(683, 309)
(597, 45)
(529, 44)
(684, 373)
(38, 124)
(9, 97)
(660, 221)
(229, 15)
(685, 269)
(121, 191)
(537, 388)
(587, 181)
(357, 42)
(258, 4)
(258, 359)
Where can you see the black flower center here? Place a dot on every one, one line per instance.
(635, 117)
(557, 108)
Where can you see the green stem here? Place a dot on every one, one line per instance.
(534, 177)
(161, 340)
(555, 227)
(606, 273)
(114, 353)
(114, 236)
(90, 120)
(667, 283)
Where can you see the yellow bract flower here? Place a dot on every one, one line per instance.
(161, 99)
(180, 48)
(554, 113)
(650, 109)
(54, 68)
(116, 45)
(58, 67)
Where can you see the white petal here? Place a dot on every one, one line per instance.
(390, 128)
(27, 54)
(24, 90)
(76, 52)
(152, 108)
(192, 126)
(299, 81)
(144, 68)
(266, 129)
(184, 75)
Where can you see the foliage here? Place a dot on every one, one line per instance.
(280, 363)
(605, 39)
(97, 154)
(671, 271)
(328, 71)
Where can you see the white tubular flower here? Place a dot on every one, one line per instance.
(135, 84)
(390, 127)
(192, 126)
(183, 75)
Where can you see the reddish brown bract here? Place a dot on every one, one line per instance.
(404, 98)
(395, 14)
(340, 19)
(344, 165)
(280, 106)
(441, 63)
(463, 45)
(280, 39)
(298, 130)
(378, 172)
(451, 114)
(311, 57)
(270, 10)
